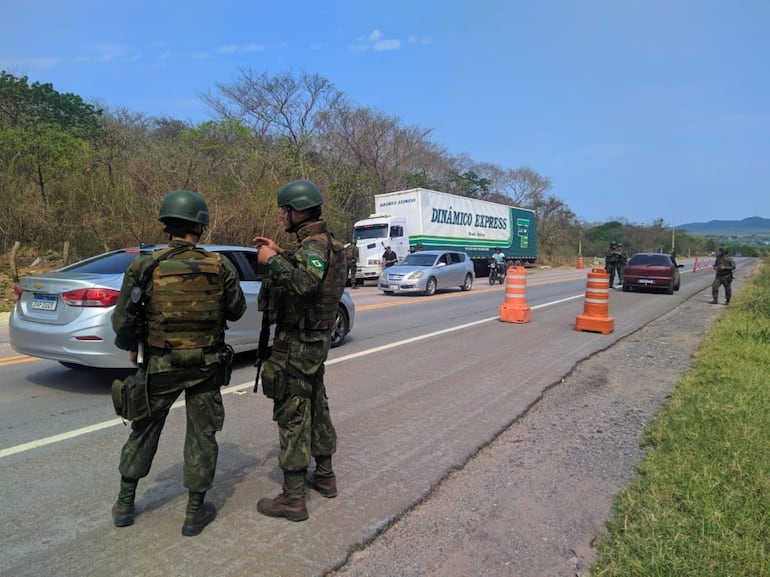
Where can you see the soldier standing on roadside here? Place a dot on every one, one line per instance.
(620, 262)
(724, 267)
(352, 264)
(178, 300)
(301, 298)
(611, 262)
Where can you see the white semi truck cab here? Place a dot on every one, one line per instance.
(371, 236)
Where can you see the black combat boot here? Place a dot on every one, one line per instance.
(290, 504)
(198, 514)
(323, 479)
(123, 509)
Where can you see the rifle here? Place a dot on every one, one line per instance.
(263, 350)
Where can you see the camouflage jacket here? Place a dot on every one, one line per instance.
(125, 318)
(724, 265)
(310, 281)
(615, 257)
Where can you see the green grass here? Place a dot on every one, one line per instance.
(700, 505)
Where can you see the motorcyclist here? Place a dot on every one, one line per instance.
(499, 259)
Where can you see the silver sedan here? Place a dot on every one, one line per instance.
(428, 271)
(64, 315)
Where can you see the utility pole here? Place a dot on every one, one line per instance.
(673, 236)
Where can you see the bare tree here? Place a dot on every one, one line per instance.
(283, 108)
(525, 186)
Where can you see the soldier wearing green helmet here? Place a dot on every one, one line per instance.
(301, 299)
(724, 267)
(171, 317)
(615, 263)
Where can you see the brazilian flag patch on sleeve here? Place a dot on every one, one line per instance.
(316, 263)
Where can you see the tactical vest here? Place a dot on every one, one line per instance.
(185, 309)
(319, 312)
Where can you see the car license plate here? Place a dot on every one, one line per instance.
(393, 287)
(646, 281)
(44, 303)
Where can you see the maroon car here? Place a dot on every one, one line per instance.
(651, 271)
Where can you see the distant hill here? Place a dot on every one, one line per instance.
(753, 225)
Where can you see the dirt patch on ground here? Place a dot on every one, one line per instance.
(534, 502)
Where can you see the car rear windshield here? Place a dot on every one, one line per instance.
(112, 263)
(650, 259)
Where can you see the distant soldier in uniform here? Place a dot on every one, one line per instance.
(724, 267)
(301, 299)
(615, 262)
(352, 261)
(177, 301)
(621, 262)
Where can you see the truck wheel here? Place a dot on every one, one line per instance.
(468, 284)
(430, 287)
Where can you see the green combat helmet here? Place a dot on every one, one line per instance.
(300, 195)
(184, 205)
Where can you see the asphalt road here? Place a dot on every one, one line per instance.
(422, 384)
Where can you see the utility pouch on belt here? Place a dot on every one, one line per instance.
(274, 371)
(129, 397)
(226, 365)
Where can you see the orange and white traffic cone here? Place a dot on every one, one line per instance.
(514, 308)
(595, 317)
(580, 263)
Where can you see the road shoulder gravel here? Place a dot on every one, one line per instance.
(534, 501)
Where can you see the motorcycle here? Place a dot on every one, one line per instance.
(496, 272)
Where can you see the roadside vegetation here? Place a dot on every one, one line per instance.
(79, 178)
(701, 502)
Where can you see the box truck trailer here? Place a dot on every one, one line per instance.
(422, 219)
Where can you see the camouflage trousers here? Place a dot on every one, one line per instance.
(305, 426)
(613, 269)
(205, 416)
(722, 280)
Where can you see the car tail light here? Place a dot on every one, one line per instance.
(17, 291)
(91, 297)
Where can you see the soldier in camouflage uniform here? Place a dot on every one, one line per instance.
(352, 264)
(724, 267)
(174, 317)
(304, 291)
(615, 262)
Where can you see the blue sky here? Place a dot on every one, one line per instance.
(634, 109)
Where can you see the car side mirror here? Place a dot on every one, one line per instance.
(441, 264)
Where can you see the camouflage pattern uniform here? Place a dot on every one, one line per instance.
(352, 260)
(615, 262)
(310, 282)
(184, 352)
(724, 267)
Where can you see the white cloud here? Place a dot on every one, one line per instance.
(240, 49)
(376, 41)
(387, 45)
(419, 40)
(110, 53)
